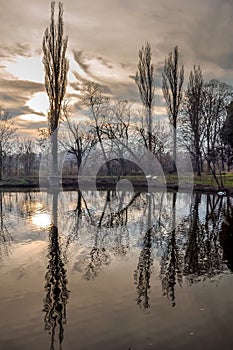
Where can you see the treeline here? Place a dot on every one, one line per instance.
(199, 114)
(203, 126)
(18, 156)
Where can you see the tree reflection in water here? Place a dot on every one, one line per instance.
(142, 274)
(108, 228)
(99, 255)
(171, 262)
(191, 248)
(202, 249)
(204, 255)
(192, 268)
(143, 271)
(226, 236)
(57, 293)
(5, 236)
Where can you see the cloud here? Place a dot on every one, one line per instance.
(14, 94)
(116, 30)
(104, 39)
(16, 49)
(81, 60)
(105, 62)
(29, 128)
(86, 60)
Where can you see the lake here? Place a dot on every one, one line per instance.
(115, 270)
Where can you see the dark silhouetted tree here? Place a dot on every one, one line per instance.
(98, 104)
(57, 293)
(226, 134)
(172, 260)
(78, 138)
(227, 129)
(27, 155)
(173, 78)
(7, 133)
(217, 96)
(145, 82)
(142, 274)
(193, 126)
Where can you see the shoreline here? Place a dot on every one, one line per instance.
(106, 184)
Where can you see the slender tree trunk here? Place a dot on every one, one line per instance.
(1, 155)
(222, 159)
(198, 167)
(198, 162)
(150, 129)
(174, 151)
(102, 148)
(54, 153)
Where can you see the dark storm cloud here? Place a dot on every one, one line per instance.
(79, 84)
(29, 126)
(14, 94)
(225, 61)
(16, 49)
(112, 31)
(80, 80)
(105, 62)
(128, 91)
(116, 29)
(27, 86)
(81, 60)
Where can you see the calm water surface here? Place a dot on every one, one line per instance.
(115, 270)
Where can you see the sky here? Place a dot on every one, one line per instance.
(104, 37)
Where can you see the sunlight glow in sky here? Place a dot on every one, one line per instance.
(39, 102)
(26, 68)
(33, 118)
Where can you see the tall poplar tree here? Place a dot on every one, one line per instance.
(56, 68)
(173, 78)
(146, 86)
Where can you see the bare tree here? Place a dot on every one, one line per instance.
(217, 96)
(117, 128)
(27, 155)
(145, 82)
(173, 78)
(56, 68)
(159, 137)
(78, 138)
(193, 125)
(98, 104)
(117, 121)
(7, 133)
(226, 134)
(42, 140)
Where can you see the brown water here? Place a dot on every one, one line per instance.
(114, 270)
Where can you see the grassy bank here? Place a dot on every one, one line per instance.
(205, 179)
(205, 182)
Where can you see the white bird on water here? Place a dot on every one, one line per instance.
(148, 176)
(221, 193)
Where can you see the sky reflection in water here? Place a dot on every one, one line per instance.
(94, 270)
